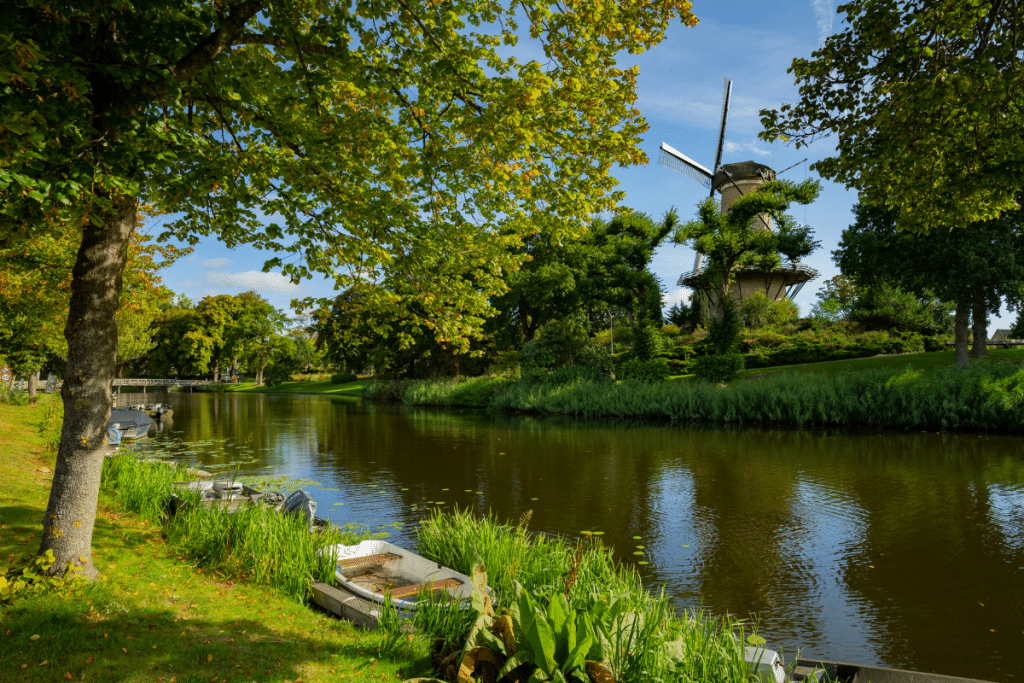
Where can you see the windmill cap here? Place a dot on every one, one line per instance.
(742, 170)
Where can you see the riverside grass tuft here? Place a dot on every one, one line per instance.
(653, 643)
(984, 397)
(256, 543)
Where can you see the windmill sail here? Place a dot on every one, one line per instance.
(673, 159)
(676, 161)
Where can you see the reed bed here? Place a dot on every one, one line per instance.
(652, 642)
(255, 542)
(984, 397)
(512, 554)
(464, 392)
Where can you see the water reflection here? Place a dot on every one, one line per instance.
(897, 550)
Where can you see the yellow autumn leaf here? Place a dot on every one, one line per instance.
(209, 658)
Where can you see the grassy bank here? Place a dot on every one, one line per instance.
(542, 584)
(309, 387)
(988, 396)
(155, 615)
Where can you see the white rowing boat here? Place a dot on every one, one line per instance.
(372, 570)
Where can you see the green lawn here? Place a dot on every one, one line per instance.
(154, 617)
(347, 389)
(917, 361)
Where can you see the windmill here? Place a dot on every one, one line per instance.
(730, 180)
(676, 161)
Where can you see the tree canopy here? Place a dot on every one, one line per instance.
(385, 142)
(924, 99)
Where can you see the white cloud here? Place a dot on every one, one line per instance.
(824, 13)
(216, 263)
(188, 284)
(681, 295)
(254, 280)
(735, 147)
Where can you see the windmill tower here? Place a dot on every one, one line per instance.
(733, 181)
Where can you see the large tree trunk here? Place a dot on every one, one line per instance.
(91, 332)
(960, 330)
(979, 324)
(33, 386)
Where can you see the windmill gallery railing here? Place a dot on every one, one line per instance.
(789, 275)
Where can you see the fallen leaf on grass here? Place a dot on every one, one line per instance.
(44, 662)
(209, 658)
(124, 650)
(34, 636)
(89, 661)
(67, 675)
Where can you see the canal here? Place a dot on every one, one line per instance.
(896, 550)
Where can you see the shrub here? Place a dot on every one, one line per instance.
(277, 374)
(343, 378)
(12, 396)
(724, 332)
(760, 311)
(721, 367)
(670, 331)
(647, 342)
(655, 370)
(386, 390)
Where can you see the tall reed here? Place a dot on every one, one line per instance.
(254, 542)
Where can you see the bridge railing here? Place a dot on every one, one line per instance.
(128, 382)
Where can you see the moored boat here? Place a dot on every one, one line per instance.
(130, 424)
(374, 569)
(840, 672)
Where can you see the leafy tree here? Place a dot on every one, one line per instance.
(883, 305)
(549, 285)
(924, 100)
(760, 311)
(340, 121)
(731, 242)
(679, 314)
(1017, 331)
(975, 268)
(621, 275)
(835, 299)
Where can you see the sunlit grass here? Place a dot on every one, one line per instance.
(155, 615)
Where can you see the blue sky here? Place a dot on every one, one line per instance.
(752, 42)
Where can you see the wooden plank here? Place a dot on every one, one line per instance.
(440, 584)
(368, 559)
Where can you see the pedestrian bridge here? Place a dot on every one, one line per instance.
(123, 382)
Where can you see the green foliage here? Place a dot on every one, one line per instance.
(558, 343)
(978, 398)
(388, 391)
(731, 241)
(647, 342)
(724, 332)
(884, 306)
(50, 425)
(721, 367)
(555, 641)
(654, 370)
(670, 331)
(12, 397)
(678, 315)
(922, 137)
(473, 392)
(277, 374)
(768, 348)
(34, 579)
(1017, 331)
(343, 378)
(760, 311)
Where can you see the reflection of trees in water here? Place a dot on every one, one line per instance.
(934, 514)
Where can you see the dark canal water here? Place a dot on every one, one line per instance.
(894, 550)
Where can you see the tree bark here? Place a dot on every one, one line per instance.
(960, 331)
(33, 386)
(979, 324)
(91, 333)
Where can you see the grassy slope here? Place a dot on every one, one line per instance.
(918, 361)
(348, 389)
(154, 617)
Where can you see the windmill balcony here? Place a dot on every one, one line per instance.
(782, 283)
